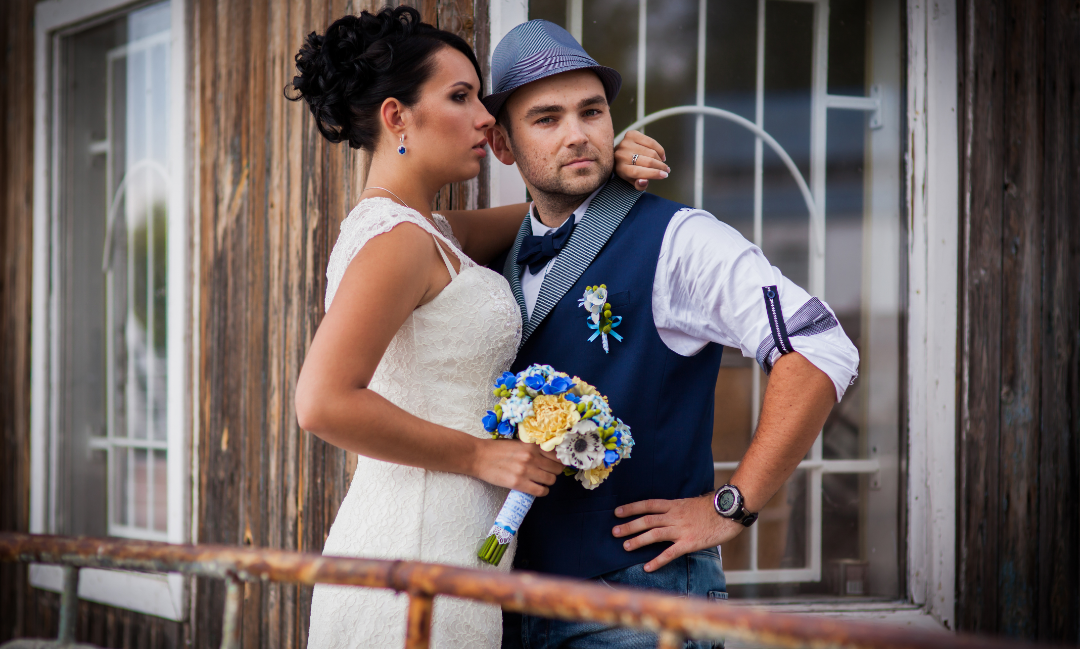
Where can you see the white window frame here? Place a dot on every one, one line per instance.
(931, 178)
(933, 204)
(162, 595)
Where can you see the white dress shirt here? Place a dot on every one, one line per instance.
(708, 288)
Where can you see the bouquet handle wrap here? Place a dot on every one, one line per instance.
(506, 525)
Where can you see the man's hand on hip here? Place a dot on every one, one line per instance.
(691, 524)
(797, 403)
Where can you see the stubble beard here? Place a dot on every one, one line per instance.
(557, 192)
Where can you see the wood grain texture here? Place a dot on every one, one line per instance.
(272, 195)
(1059, 453)
(1019, 491)
(981, 315)
(1021, 300)
(16, 242)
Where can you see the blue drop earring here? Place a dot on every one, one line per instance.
(401, 148)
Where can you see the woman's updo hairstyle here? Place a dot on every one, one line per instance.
(345, 74)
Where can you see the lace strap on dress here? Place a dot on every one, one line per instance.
(446, 260)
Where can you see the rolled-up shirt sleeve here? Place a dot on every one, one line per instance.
(709, 288)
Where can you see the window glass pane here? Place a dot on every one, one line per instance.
(161, 486)
(730, 84)
(789, 40)
(122, 498)
(140, 487)
(788, 552)
(610, 28)
(848, 26)
(82, 353)
(551, 10)
(113, 223)
(782, 526)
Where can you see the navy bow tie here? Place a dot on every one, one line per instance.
(536, 251)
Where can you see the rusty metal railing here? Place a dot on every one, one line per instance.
(674, 619)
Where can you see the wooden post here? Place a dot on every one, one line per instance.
(418, 633)
(230, 627)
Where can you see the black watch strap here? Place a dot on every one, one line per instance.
(744, 517)
(728, 502)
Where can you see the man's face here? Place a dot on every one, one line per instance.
(561, 134)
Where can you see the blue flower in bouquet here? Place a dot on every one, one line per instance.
(611, 457)
(570, 396)
(506, 429)
(558, 385)
(491, 421)
(535, 382)
(508, 380)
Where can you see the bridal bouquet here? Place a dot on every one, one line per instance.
(541, 406)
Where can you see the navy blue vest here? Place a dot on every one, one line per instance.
(665, 398)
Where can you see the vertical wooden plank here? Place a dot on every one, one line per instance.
(982, 28)
(1021, 300)
(274, 194)
(1058, 595)
(259, 256)
(458, 16)
(481, 36)
(16, 243)
(222, 183)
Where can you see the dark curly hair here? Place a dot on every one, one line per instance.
(345, 74)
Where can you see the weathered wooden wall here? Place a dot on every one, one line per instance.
(16, 187)
(268, 196)
(271, 195)
(1019, 496)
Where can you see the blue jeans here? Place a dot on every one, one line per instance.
(699, 573)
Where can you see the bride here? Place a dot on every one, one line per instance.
(416, 329)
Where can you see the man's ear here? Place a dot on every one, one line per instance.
(500, 144)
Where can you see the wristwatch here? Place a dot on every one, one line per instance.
(729, 503)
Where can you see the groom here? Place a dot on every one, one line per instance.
(680, 285)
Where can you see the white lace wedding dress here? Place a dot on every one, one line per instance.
(440, 366)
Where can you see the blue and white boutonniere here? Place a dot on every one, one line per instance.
(600, 319)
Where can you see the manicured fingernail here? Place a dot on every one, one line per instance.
(663, 174)
(618, 511)
(665, 158)
(626, 546)
(616, 531)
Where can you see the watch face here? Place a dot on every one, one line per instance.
(726, 500)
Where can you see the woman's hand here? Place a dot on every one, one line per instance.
(516, 465)
(650, 160)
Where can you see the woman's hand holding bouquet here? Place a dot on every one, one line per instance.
(557, 413)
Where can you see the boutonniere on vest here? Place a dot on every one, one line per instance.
(600, 319)
(541, 406)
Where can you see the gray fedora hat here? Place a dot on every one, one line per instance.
(539, 49)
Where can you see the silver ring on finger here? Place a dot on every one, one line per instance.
(633, 161)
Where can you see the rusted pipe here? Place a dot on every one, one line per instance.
(520, 592)
(234, 602)
(670, 640)
(418, 631)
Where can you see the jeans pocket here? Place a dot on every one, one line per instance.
(717, 595)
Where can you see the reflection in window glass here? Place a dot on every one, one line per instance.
(112, 208)
(840, 507)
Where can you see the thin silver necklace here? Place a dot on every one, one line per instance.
(392, 194)
(426, 218)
